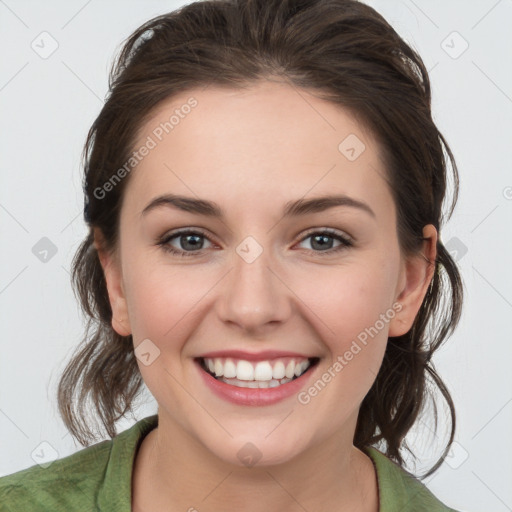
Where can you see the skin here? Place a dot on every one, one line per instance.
(251, 151)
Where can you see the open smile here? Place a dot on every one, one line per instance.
(256, 382)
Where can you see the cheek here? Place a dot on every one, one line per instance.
(353, 308)
(164, 304)
(350, 300)
(163, 299)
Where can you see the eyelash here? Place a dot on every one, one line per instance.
(164, 241)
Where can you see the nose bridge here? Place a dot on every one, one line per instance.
(253, 296)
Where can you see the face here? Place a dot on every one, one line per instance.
(239, 279)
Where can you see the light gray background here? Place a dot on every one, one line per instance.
(48, 104)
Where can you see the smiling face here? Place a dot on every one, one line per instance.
(258, 277)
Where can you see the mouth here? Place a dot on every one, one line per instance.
(271, 373)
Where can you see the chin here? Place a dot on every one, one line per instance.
(258, 451)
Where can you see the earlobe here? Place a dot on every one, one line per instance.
(415, 280)
(113, 279)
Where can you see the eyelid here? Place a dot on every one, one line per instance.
(330, 231)
(346, 241)
(168, 236)
(194, 230)
(182, 231)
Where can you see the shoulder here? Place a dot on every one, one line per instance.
(400, 490)
(65, 484)
(97, 475)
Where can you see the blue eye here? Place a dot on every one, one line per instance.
(187, 240)
(323, 241)
(191, 242)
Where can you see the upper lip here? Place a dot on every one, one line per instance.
(252, 356)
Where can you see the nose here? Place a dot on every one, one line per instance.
(254, 297)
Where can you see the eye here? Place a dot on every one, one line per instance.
(322, 241)
(189, 242)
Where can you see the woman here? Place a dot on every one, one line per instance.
(263, 189)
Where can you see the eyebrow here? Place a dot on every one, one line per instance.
(292, 208)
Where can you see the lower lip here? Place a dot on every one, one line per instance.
(254, 396)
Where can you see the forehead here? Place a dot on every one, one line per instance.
(269, 141)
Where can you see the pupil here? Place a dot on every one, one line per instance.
(193, 245)
(322, 245)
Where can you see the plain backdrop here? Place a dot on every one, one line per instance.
(53, 80)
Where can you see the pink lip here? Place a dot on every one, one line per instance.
(253, 396)
(252, 356)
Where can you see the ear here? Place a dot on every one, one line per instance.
(415, 277)
(113, 277)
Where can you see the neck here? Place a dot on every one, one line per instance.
(174, 471)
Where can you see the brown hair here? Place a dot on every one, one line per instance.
(351, 56)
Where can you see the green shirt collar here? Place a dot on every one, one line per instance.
(398, 490)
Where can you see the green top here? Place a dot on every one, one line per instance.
(98, 478)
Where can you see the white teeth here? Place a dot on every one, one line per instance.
(244, 370)
(219, 368)
(255, 383)
(290, 370)
(229, 369)
(270, 373)
(278, 372)
(263, 371)
(301, 368)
